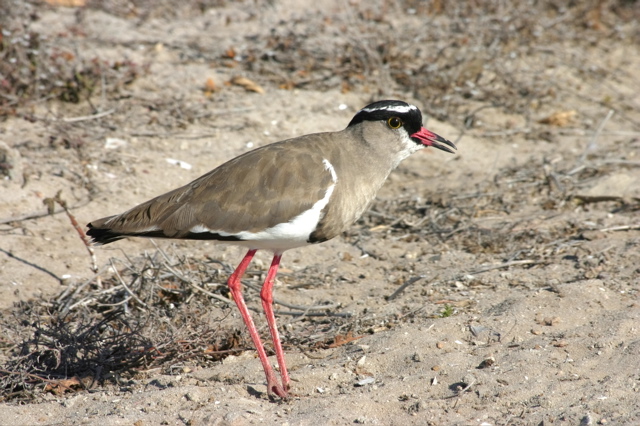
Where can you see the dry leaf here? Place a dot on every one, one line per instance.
(247, 84)
(67, 56)
(209, 87)
(288, 85)
(560, 118)
(59, 387)
(594, 18)
(340, 339)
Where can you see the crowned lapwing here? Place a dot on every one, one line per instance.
(288, 194)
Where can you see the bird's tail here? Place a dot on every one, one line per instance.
(101, 234)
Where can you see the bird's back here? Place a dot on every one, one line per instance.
(258, 190)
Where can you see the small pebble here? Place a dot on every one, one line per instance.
(551, 321)
(487, 362)
(192, 396)
(365, 381)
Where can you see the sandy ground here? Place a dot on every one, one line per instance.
(521, 250)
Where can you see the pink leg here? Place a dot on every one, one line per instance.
(273, 387)
(267, 304)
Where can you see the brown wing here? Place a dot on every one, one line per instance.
(252, 192)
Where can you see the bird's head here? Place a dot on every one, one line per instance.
(402, 117)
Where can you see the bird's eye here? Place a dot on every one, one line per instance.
(394, 122)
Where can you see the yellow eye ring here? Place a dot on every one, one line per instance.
(394, 123)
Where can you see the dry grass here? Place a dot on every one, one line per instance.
(35, 68)
(146, 315)
(151, 312)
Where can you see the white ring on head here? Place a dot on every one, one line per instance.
(400, 109)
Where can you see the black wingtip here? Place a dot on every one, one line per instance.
(102, 236)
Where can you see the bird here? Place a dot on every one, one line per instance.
(288, 194)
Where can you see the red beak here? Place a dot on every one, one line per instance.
(428, 138)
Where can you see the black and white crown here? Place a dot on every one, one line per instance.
(383, 110)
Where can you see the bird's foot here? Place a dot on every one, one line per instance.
(274, 389)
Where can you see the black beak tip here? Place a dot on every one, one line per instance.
(444, 144)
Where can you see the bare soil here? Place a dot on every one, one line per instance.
(495, 286)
